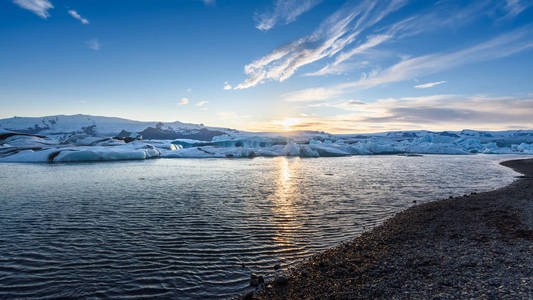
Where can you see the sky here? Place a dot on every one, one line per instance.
(273, 65)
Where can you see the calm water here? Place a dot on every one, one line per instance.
(184, 227)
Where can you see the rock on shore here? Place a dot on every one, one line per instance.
(477, 246)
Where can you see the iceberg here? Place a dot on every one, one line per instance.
(89, 138)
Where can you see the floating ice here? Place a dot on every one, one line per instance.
(87, 138)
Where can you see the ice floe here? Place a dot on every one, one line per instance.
(88, 138)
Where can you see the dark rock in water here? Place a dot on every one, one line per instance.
(128, 137)
(161, 133)
(249, 296)
(276, 267)
(229, 155)
(52, 156)
(89, 130)
(123, 134)
(414, 201)
(282, 280)
(10, 134)
(256, 280)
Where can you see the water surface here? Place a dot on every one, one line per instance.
(186, 227)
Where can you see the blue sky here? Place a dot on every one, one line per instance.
(338, 66)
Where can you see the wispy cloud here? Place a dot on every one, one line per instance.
(94, 44)
(285, 11)
(227, 86)
(501, 46)
(183, 101)
(311, 94)
(355, 30)
(334, 34)
(75, 15)
(371, 42)
(409, 68)
(429, 84)
(439, 17)
(345, 105)
(433, 112)
(209, 2)
(39, 7)
(201, 103)
(515, 7)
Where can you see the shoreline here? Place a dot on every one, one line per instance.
(478, 245)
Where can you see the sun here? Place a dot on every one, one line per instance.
(287, 123)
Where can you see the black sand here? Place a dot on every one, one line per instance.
(478, 246)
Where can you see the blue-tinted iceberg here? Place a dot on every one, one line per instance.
(87, 138)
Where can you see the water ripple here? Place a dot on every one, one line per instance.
(198, 228)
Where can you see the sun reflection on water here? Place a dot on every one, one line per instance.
(284, 209)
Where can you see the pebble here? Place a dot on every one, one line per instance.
(453, 249)
(256, 280)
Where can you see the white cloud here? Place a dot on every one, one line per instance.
(209, 2)
(433, 112)
(345, 105)
(404, 28)
(94, 44)
(515, 7)
(183, 101)
(75, 15)
(429, 84)
(409, 68)
(285, 11)
(39, 7)
(372, 41)
(201, 103)
(311, 94)
(333, 35)
(227, 86)
(345, 27)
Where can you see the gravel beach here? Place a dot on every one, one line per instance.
(477, 246)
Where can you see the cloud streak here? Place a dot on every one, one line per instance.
(353, 31)
(75, 15)
(371, 42)
(433, 112)
(501, 46)
(183, 101)
(515, 7)
(285, 11)
(429, 84)
(409, 68)
(334, 34)
(38, 7)
(94, 44)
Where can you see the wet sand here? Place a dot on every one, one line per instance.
(475, 246)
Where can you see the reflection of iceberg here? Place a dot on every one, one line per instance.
(83, 138)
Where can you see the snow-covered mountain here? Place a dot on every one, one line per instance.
(107, 126)
(92, 138)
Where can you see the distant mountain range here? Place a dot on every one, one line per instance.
(109, 126)
(92, 138)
